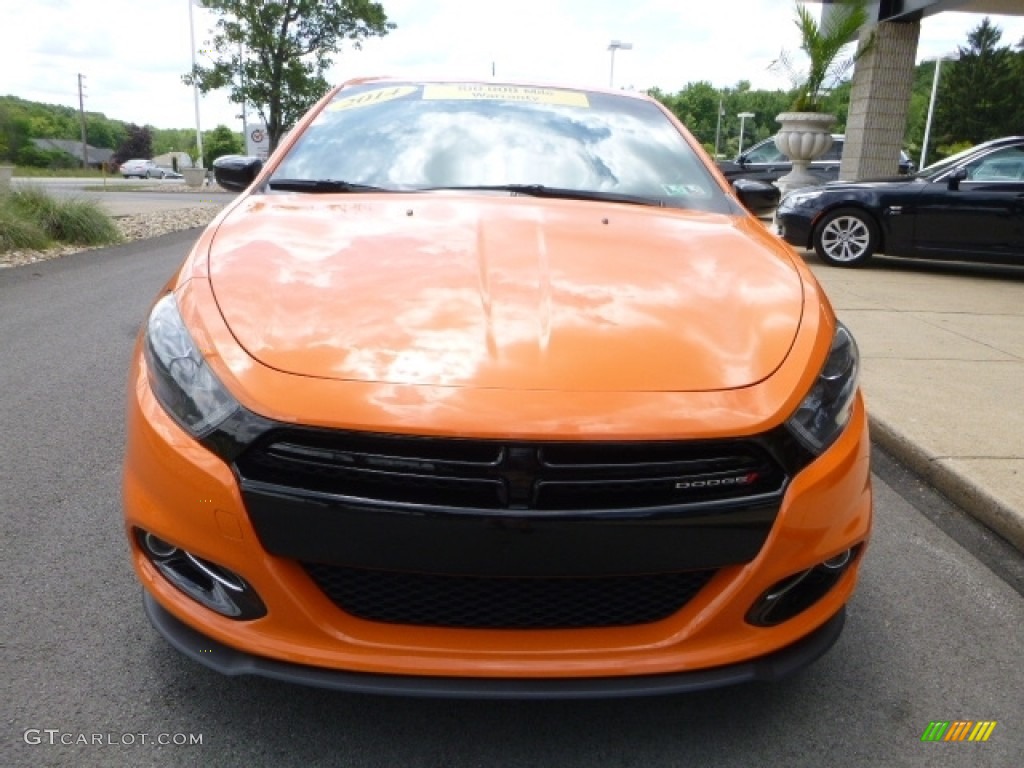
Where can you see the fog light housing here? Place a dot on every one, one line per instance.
(209, 584)
(798, 592)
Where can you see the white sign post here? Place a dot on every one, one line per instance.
(257, 141)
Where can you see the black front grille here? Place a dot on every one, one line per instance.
(506, 603)
(525, 533)
(486, 474)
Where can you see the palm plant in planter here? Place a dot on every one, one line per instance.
(805, 132)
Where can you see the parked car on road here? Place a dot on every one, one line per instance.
(764, 162)
(492, 389)
(968, 207)
(146, 169)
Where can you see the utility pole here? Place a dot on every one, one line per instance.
(241, 80)
(81, 115)
(718, 126)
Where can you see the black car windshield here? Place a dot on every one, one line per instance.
(935, 170)
(548, 142)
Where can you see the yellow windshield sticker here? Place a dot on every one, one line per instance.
(486, 92)
(368, 98)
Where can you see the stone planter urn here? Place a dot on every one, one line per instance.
(194, 177)
(803, 137)
(6, 172)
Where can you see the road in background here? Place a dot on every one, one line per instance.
(123, 197)
(934, 633)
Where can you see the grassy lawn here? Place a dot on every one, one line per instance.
(43, 173)
(119, 188)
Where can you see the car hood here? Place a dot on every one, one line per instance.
(508, 293)
(885, 182)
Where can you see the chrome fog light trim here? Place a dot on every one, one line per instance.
(798, 592)
(209, 584)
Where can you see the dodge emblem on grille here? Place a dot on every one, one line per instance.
(716, 482)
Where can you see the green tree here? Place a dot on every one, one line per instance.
(696, 106)
(289, 45)
(822, 45)
(14, 130)
(172, 139)
(220, 141)
(100, 132)
(138, 144)
(979, 95)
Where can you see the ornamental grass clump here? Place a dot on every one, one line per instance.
(18, 233)
(73, 221)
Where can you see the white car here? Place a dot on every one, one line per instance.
(144, 169)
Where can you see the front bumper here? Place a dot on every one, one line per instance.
(232, 662)
(184, 494)
(794, 226)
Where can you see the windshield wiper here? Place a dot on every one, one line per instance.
(540, 190)
(322, 185)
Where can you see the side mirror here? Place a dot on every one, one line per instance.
(758, 197)
(236, 172)
(954, 179)
(740, 160)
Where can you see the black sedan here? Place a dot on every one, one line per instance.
(765, 162)
(968, 207)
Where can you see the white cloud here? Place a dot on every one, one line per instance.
(133, 52)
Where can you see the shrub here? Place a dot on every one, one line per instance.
(82, 222)
(34, 157)
(18, 232)
(76, 221)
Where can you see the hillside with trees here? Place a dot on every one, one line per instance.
(22, 120)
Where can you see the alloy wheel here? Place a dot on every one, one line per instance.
(846, 239)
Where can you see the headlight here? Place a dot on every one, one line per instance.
(794, 199)
(180, 377)
(826, 410)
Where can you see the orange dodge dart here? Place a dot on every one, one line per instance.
(488, 389)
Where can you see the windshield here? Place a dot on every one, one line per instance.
(935, 170)
(399, 136)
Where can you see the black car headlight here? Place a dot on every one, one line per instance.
(799, 197)
(181, 380)
(826, 410)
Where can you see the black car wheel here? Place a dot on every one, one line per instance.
(846, 237)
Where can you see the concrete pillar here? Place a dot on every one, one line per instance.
(879, 102)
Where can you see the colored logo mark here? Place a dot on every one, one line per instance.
(958, 730)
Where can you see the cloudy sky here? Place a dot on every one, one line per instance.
(133, 52)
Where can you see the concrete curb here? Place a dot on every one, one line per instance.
(958, 487)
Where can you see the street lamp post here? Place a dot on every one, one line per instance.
(931, 103)
(743, 117)
(614, 46)
(718, 125)
(195, 87)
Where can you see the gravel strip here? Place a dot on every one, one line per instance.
(136, 227)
